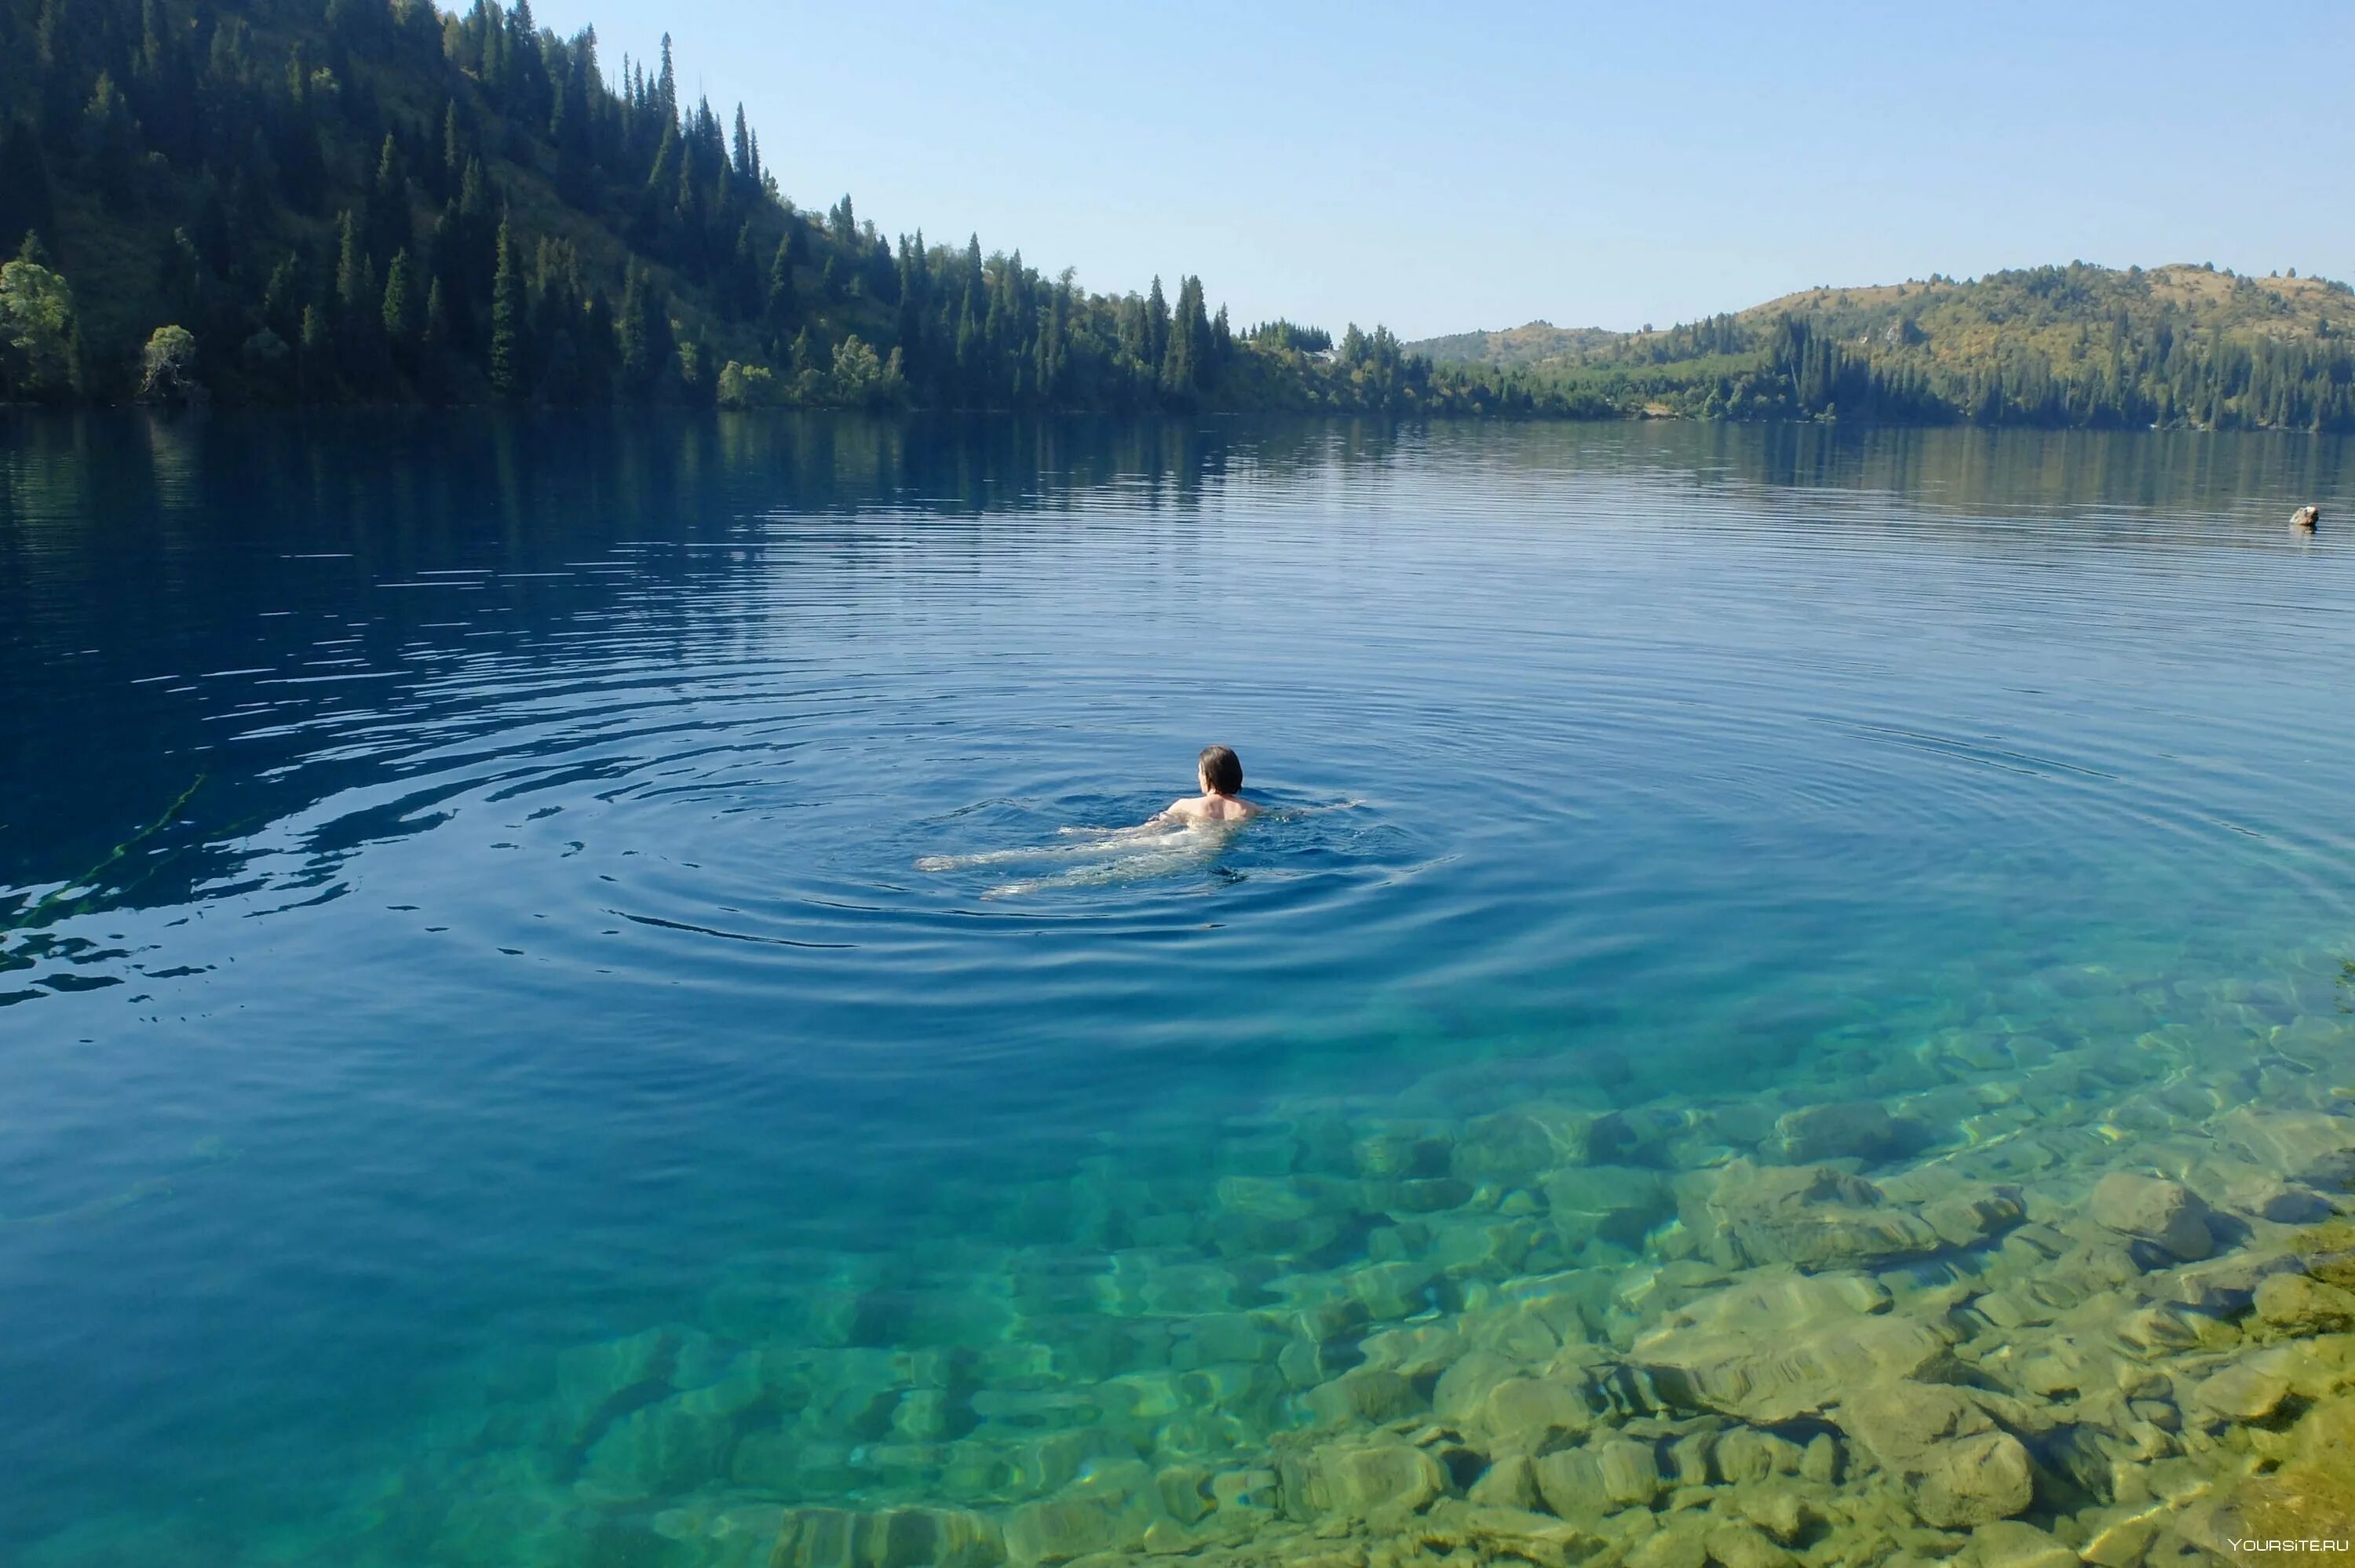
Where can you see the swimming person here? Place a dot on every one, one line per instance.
(1221, 773)
(1169, 840)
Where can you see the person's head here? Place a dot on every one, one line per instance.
(1221, 770)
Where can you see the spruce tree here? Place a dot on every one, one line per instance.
(507, 372)
(401, 303)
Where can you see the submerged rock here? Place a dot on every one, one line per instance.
(1584, 1484)
(2243, 1393)
(1900, 1421)
(2304, 1306)
(2307, 1147)
(1056, 1530)
(1358, 1482)
(1616, 1203)
(1972, 1481)
(2011, 1544)
(2153, 1209)
(890, 1538)
(1783, 1344)
(1811, 1215)
(1856, 1129)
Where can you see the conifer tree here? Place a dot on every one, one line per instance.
(508, 371)
(401, 303)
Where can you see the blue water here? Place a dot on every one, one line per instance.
(468, 893)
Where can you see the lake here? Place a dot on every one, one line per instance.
(563, 1004)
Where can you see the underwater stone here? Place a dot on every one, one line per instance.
(891, 1538)
(1420, 1195)
(1394, 1290)
(1783, 1344)
(2155, 1210)
(1855, 1130)
(1746, 1453)
(1973, 1481)
(1496, 1533)
(1463, 1388)
(592, 1379)
(1968, 1217)
(2305, 1306)
(2307, 1147)
(1372, 1394)
(1899, 1421)
(1422, 1351)
(2011, 1543)
(2242, 1393)
(659, 1449)
(1526, 1411)
(1506, 1483)
(1587, 1483)
(1057, 1529)
(1810, 1215)
(1616, 1203)
(1744, 1546)
(1689, 1458)
(2221, 1285)
(1354, 1483)
(1777, 1510)
(1514, 1146)
(1678, 1545)
(2157, 1329)
(1389, 1156)
(1246, 1490)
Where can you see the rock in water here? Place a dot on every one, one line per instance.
(2305, 1306)
(1783, 1344)
(1974, 1481)
(2009, 1543)
(1899, 1421)
(1857, 1129)
(2243, 1391)
(1811, 1215)
(2153, 1209)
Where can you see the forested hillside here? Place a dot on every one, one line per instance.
(342, 201)
(2048, 346)
(286, 201)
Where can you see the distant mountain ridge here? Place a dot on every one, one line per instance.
(1534, 343)
(2078, 344)
(2293, 307)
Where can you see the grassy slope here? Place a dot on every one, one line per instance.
(1535, 344)
(1961, 321)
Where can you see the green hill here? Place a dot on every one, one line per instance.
(341, 201)
(2051, 345)
(370, 200)
(1536, 344)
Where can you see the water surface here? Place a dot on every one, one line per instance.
(464, 899)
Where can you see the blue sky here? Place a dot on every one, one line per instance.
(1442, 167)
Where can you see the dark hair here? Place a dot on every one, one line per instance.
(1223, 768)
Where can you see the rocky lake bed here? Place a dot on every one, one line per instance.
(2038, 1288)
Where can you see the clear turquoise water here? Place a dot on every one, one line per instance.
(459, 903)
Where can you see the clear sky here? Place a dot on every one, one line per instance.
(1445, 166)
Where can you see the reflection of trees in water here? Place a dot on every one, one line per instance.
(137, 545)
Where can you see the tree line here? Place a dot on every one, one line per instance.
(364, 201)
(335, 201)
